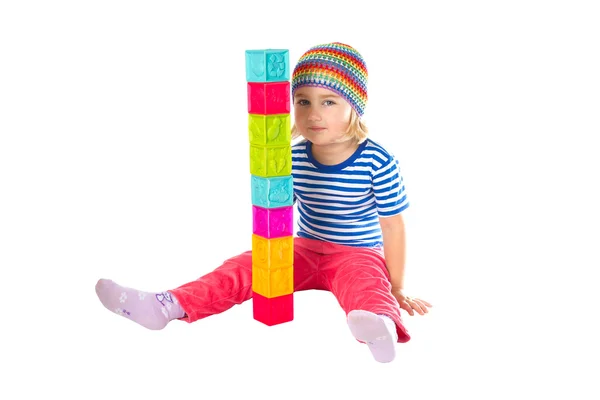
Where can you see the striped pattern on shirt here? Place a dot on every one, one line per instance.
(342, 203)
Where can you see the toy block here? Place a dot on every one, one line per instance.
(270, 161)
(269, 98)
(272, 192)
(269, 134)
(273, 311)
(273, 222)
(272, 254)
(269, 130)
(273, 283)
(270, 65)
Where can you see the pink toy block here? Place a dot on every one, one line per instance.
(269, 98)
(273, 222)
(274, 310)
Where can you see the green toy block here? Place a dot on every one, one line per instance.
(269, 65)
(269, 130)
(270, 161)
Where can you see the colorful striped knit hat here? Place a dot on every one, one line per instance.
(337, 67)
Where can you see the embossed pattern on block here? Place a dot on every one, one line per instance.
(272, 253)
(273, 283)
(269, 98)
(269, 65)
(273, 222)
(273, 311)
(270, 161)
(272, 192)
(269, 130)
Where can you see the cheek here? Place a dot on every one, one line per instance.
(344, 118)
(348, 113)
(298, 115)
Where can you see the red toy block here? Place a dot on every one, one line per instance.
(274, 310)
(269, 98)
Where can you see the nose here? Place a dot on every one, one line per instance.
(313, 114)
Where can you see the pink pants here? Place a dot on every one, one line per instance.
(357, 277)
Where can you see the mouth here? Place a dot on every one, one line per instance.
(316, 128)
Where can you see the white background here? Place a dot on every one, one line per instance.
(117, 116)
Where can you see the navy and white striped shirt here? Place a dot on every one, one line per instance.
(342, 203)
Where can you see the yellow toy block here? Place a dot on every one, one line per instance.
(274, 282)
(271, 254)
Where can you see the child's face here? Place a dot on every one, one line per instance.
(321, 116)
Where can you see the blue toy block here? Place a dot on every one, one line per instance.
(272, 192)
(270, 65)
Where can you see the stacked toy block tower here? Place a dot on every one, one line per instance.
(269, 129)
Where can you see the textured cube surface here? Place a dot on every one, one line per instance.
(270, 161)
(272, 253)
(269, 130)
(269, 65)
(269, 98)
(272, 192)
(274, 282)
(273, 311)
(272, 222)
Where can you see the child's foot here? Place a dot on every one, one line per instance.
(152, 310)
(377, 331)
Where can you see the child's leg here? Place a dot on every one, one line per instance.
(231, 283)
(151, 310)
(377, 331)
(358, 278)
(215, 292)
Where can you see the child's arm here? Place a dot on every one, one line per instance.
(394, 248)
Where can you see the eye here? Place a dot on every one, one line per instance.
(302, 102)
(329, 102)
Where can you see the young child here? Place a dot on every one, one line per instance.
(350, 197)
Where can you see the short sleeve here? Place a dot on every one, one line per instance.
(388, 186)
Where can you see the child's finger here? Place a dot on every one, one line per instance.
(407, 308)
(425, 302)
(414, 305)
(421, 304)
(418, 307)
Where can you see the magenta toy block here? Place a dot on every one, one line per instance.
(274, 310)
(269, 98)
(273, 222)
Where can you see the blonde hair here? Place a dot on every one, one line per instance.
(357, 130)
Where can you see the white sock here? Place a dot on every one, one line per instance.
(377, 331)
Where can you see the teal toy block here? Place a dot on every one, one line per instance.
(269, 130)
(272, 192)
(269, 65)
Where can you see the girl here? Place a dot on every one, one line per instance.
(350, 197)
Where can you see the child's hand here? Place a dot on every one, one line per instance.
(411, 304)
